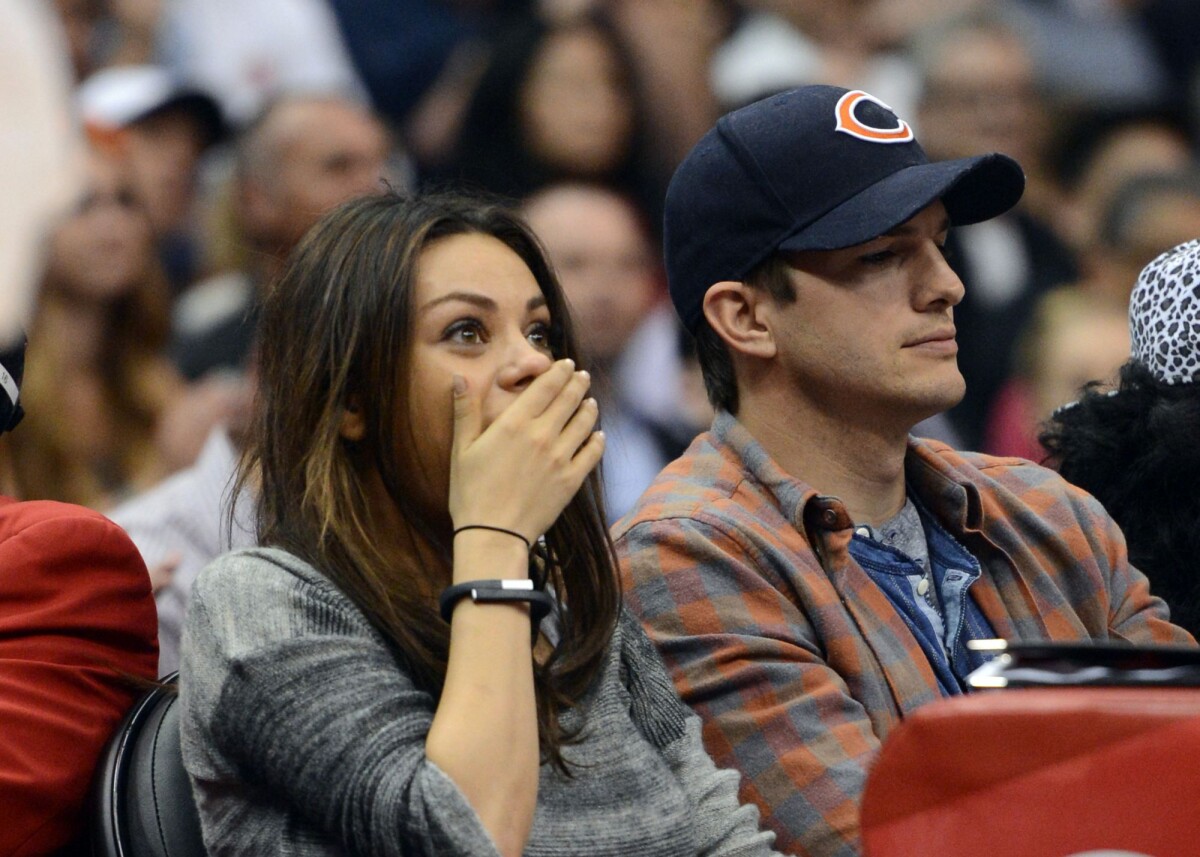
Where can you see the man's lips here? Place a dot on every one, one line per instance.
(942, 339)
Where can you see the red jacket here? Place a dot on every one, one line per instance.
(77, 632)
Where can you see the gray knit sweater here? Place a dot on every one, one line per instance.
(304, 735)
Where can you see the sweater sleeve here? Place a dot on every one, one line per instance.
(724, 827)
(290, 698)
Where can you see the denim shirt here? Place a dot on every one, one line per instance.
(954, 570)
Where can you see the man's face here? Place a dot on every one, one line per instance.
(870, 335)
(981, 96)
(603, 260)
(164, 151)
(331, 152)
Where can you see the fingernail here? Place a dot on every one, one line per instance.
(460, 385)
(570, 363)
(592, 403)
(583, 374)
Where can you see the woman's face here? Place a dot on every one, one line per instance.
(576, 106)
(477, 313)
(103, 248)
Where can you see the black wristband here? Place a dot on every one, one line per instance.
(513, 533)
(495, 592)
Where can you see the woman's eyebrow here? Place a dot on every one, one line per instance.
(481, 301)
(473, 298)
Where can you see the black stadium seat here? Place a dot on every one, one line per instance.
(141, 803)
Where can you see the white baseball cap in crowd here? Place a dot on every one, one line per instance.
(115, 98)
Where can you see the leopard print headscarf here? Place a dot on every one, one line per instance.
(1164, 315)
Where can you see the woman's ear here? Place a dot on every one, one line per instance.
(734, 311)
(353, 426)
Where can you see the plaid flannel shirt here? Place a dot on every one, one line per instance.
(795, 660)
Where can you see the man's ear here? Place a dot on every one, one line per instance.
(353, 425)
(734, 310)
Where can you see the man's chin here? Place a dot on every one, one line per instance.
(929, 403)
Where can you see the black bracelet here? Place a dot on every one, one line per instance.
(494, 592)
(528, 544)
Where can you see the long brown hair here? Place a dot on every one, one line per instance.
(336, 328)
(137, 383)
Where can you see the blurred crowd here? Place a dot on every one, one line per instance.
(219, 131)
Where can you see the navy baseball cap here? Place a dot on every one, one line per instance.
(814, 168)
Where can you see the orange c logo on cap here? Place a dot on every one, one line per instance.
(848, 123)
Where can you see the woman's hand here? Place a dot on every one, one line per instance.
(521, 471)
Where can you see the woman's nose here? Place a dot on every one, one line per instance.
(523, 362)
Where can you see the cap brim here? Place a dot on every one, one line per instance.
(201, 106)
(972, 189)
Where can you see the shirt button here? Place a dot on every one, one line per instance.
(865, 532)
(923, 586)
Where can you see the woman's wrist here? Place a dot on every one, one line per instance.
(482, 553)
(492, 528)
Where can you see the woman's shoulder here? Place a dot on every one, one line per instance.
(267, 582)
(259, 567)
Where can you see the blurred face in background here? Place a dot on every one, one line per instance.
(1082, 347)
(318, 154)
(603, 259)
(980, 96)
(164, 151)
(1140, 148)
(103, 248)
(576, 104)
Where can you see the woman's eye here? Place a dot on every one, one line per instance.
(465, 332)
(539, 336)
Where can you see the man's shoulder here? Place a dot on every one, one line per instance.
(984, 470)
(64, 520)
(707, 486)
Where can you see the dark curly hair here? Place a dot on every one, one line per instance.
(1137, 451)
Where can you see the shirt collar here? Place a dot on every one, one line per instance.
(929, 474)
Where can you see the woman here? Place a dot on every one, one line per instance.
(558, 101)
(421, 426)
(98, 380)
(1134, 448)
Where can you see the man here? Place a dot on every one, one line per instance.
(301, 157)
(601, 250)
(810, 572)
(161, 128)
(304, 155)
(189, 519)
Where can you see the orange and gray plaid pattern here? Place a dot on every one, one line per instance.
(799, 666)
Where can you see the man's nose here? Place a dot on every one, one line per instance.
(939, 284)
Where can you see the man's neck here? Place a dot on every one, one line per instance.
(860, 461)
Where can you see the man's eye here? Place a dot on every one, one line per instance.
(881, 257)
(466, 332)
(946, 251)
